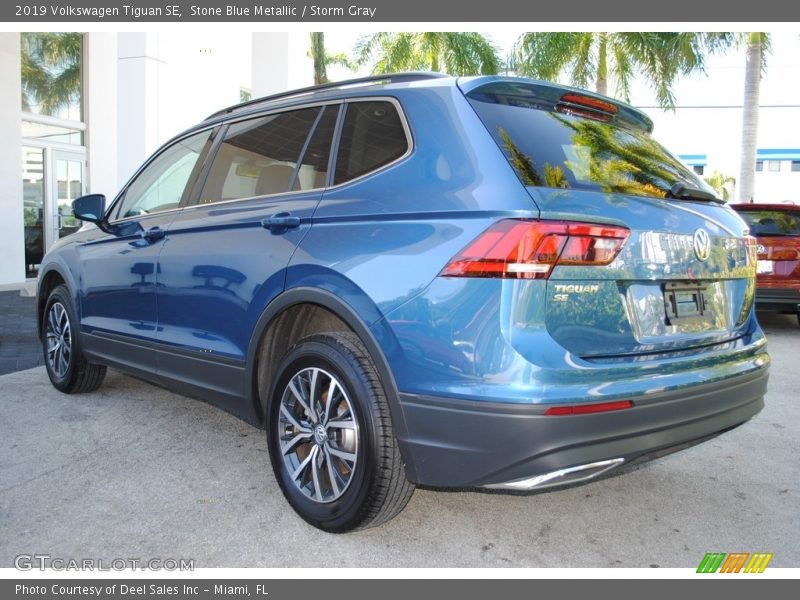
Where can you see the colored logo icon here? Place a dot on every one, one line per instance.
(736, 562)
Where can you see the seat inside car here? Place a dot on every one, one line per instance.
(274, 179)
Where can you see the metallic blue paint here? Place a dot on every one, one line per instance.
(378, 244)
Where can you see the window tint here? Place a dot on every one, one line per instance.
(772, 222)
(258, 157)
(313, 172)
(372, 136)
(166, 182)
(550, 148)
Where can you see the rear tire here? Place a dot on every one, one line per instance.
(68, 369)
(330, 436)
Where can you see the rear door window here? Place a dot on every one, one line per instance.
(259, 157)
(373, 136)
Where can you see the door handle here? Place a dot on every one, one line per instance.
(279, 221)
(154, 234)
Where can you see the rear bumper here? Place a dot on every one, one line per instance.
(461, 443)
(778, 299)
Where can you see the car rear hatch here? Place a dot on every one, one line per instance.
(665, 268)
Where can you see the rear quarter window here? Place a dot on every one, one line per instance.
(372, 137)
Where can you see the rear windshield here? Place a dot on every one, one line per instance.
(772, 222)
(558, 150)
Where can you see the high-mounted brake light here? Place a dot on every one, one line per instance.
(522, 249)
(589, 102)
(588, 409)
(587, 107)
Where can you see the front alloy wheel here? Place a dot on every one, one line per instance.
(67, 367)
(58, 339)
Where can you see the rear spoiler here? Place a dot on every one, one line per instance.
(559, 97)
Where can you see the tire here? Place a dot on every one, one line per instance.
(355, 478)
(68, 369)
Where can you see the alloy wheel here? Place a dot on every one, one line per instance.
(318, 435)
(58, 335)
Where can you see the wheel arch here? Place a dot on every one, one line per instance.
(49, 279)
(303, 311)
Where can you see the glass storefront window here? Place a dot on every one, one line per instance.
(52, 133)
(33, 190)
(51, 74)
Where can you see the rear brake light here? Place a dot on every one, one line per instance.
(589, 102)
(521, 249)
(586, 409)
(587, 107)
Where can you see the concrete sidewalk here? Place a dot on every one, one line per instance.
(133, 471)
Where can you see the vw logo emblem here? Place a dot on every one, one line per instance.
(702, 244)
(320, 435)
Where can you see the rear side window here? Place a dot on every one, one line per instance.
(556, 149)
(372, 136)
(259, 157)
(772, 222)
(313, 171)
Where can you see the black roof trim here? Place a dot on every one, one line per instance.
(387, 78)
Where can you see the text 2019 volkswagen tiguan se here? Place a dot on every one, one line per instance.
(414, 279)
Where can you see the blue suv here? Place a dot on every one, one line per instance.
(411, 279)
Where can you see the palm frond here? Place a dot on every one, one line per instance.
(456, 53)
(545, 55)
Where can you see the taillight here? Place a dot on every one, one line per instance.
(753, 249)
(521, 249)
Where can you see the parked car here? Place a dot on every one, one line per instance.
(777, 229)
(412, 279)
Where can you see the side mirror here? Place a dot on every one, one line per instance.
(91, 207)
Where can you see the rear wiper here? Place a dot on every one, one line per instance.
(683, 191)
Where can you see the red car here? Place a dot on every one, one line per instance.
(777, 227)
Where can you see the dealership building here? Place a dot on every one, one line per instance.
(80, 112)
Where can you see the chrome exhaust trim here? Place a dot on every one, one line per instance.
(560, 477)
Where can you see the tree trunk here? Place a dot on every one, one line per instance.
(318, 56)
(602, 65)
(752, 82)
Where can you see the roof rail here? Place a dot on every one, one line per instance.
(387, 78)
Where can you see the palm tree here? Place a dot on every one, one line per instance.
(456, 53)
(322, 59)
(758, 44)
(50, 70)
(593, 58)
(721, 182)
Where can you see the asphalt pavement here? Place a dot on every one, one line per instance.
(133, 471)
